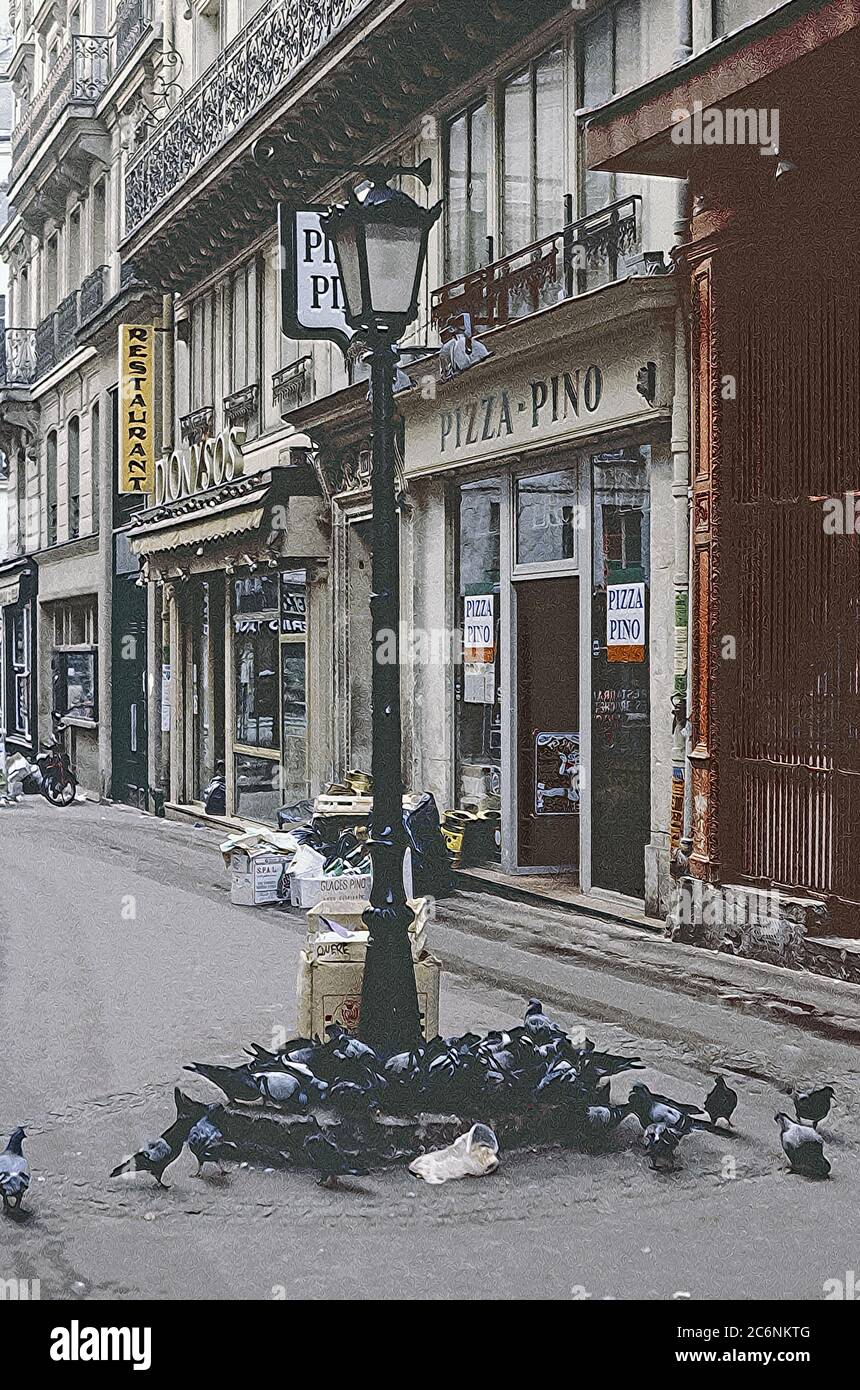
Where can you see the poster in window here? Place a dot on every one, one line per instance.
(625, 622)
(294, 619)
(556, 774)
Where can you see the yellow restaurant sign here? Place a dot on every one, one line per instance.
(136, 414)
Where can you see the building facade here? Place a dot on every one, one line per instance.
(83, 75)
(542, 491)
(763, 117)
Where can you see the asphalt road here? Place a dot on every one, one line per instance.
(121, 958)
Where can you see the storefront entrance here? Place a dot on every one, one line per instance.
(547, 626)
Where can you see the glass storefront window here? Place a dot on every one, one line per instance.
(255, 660)
(75, 684)
(258, 787)
(478, 678)
(548, 518)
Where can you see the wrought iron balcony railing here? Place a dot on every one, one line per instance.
(80, 73)
(197, 425)
(568, 262)
(92, 293)
(46, 345)
(260, 60)
(18, 356)
(68, 321)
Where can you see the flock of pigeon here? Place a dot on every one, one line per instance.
(530, 1066)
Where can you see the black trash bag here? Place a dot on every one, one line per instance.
(215, 795)
(431, 867)
(289, 816)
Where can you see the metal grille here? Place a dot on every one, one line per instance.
(789, 620)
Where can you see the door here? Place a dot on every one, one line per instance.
(547, 625)
(128, 681)
(620, 706)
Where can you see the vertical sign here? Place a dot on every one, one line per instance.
(625, 622)
(136, 414)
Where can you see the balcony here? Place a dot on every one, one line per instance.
(79, 76)
(339, 79)
(46, 345)
(92, 293)
(56, 336)
(241, 407)
(291, 385)
(577, 258)
(197, 425)
(18, 356)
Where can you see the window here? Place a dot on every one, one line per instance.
(477, 679)
(611, 62)
(203, 351)
(732, 14)
(99, 206)
(255, 660)
(51, 487)
(95, 465)
(467, 155)
(533, 152)
(73, 250)
(49, 290)
(18, 635)
(548, 517)
(73, 470)
(245, 326)
(21, 498)
(74, 664)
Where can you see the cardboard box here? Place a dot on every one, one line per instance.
(329, 888)
(258, 877)
(330, 992)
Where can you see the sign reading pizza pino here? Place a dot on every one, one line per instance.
(136, 413)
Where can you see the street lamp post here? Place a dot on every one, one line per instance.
(380, 245)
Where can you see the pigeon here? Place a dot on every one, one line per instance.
(813, 1105)
(206, 1141)
(284, 1088)
(539, 1024)
(237, 1083)
(661, 1143)
(606, 1117)
(14, 1171)
(158, 1154)
(330, 1161)
(720, 1102)
(653, 1109)
(803, 1147)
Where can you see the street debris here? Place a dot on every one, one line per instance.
(470, 1156)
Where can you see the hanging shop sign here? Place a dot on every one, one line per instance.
(625, 622)
(312, 298)
(136, 413)
(200, 466)
(556, 774)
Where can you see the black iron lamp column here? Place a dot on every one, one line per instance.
(380, 244)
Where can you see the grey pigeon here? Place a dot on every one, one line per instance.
(721, 1101)
(661, 1143)
(330, 1161)
(803, 1147)
(650, 1108)
(237, 1083)
(206, 1141)
(14, 1171)
(539, 1024)
(606, 1117)
(814, 1104)
(156, 1156)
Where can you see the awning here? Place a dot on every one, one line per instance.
(196, 532)
(10, 591)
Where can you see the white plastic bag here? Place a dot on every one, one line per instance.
(470, 1156)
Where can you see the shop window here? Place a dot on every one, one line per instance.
(18, 691)
(74, 664)
(467, 154)
(73, 473)
(478, 677)
(255, 660)
(548, 518)
(95, 465)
